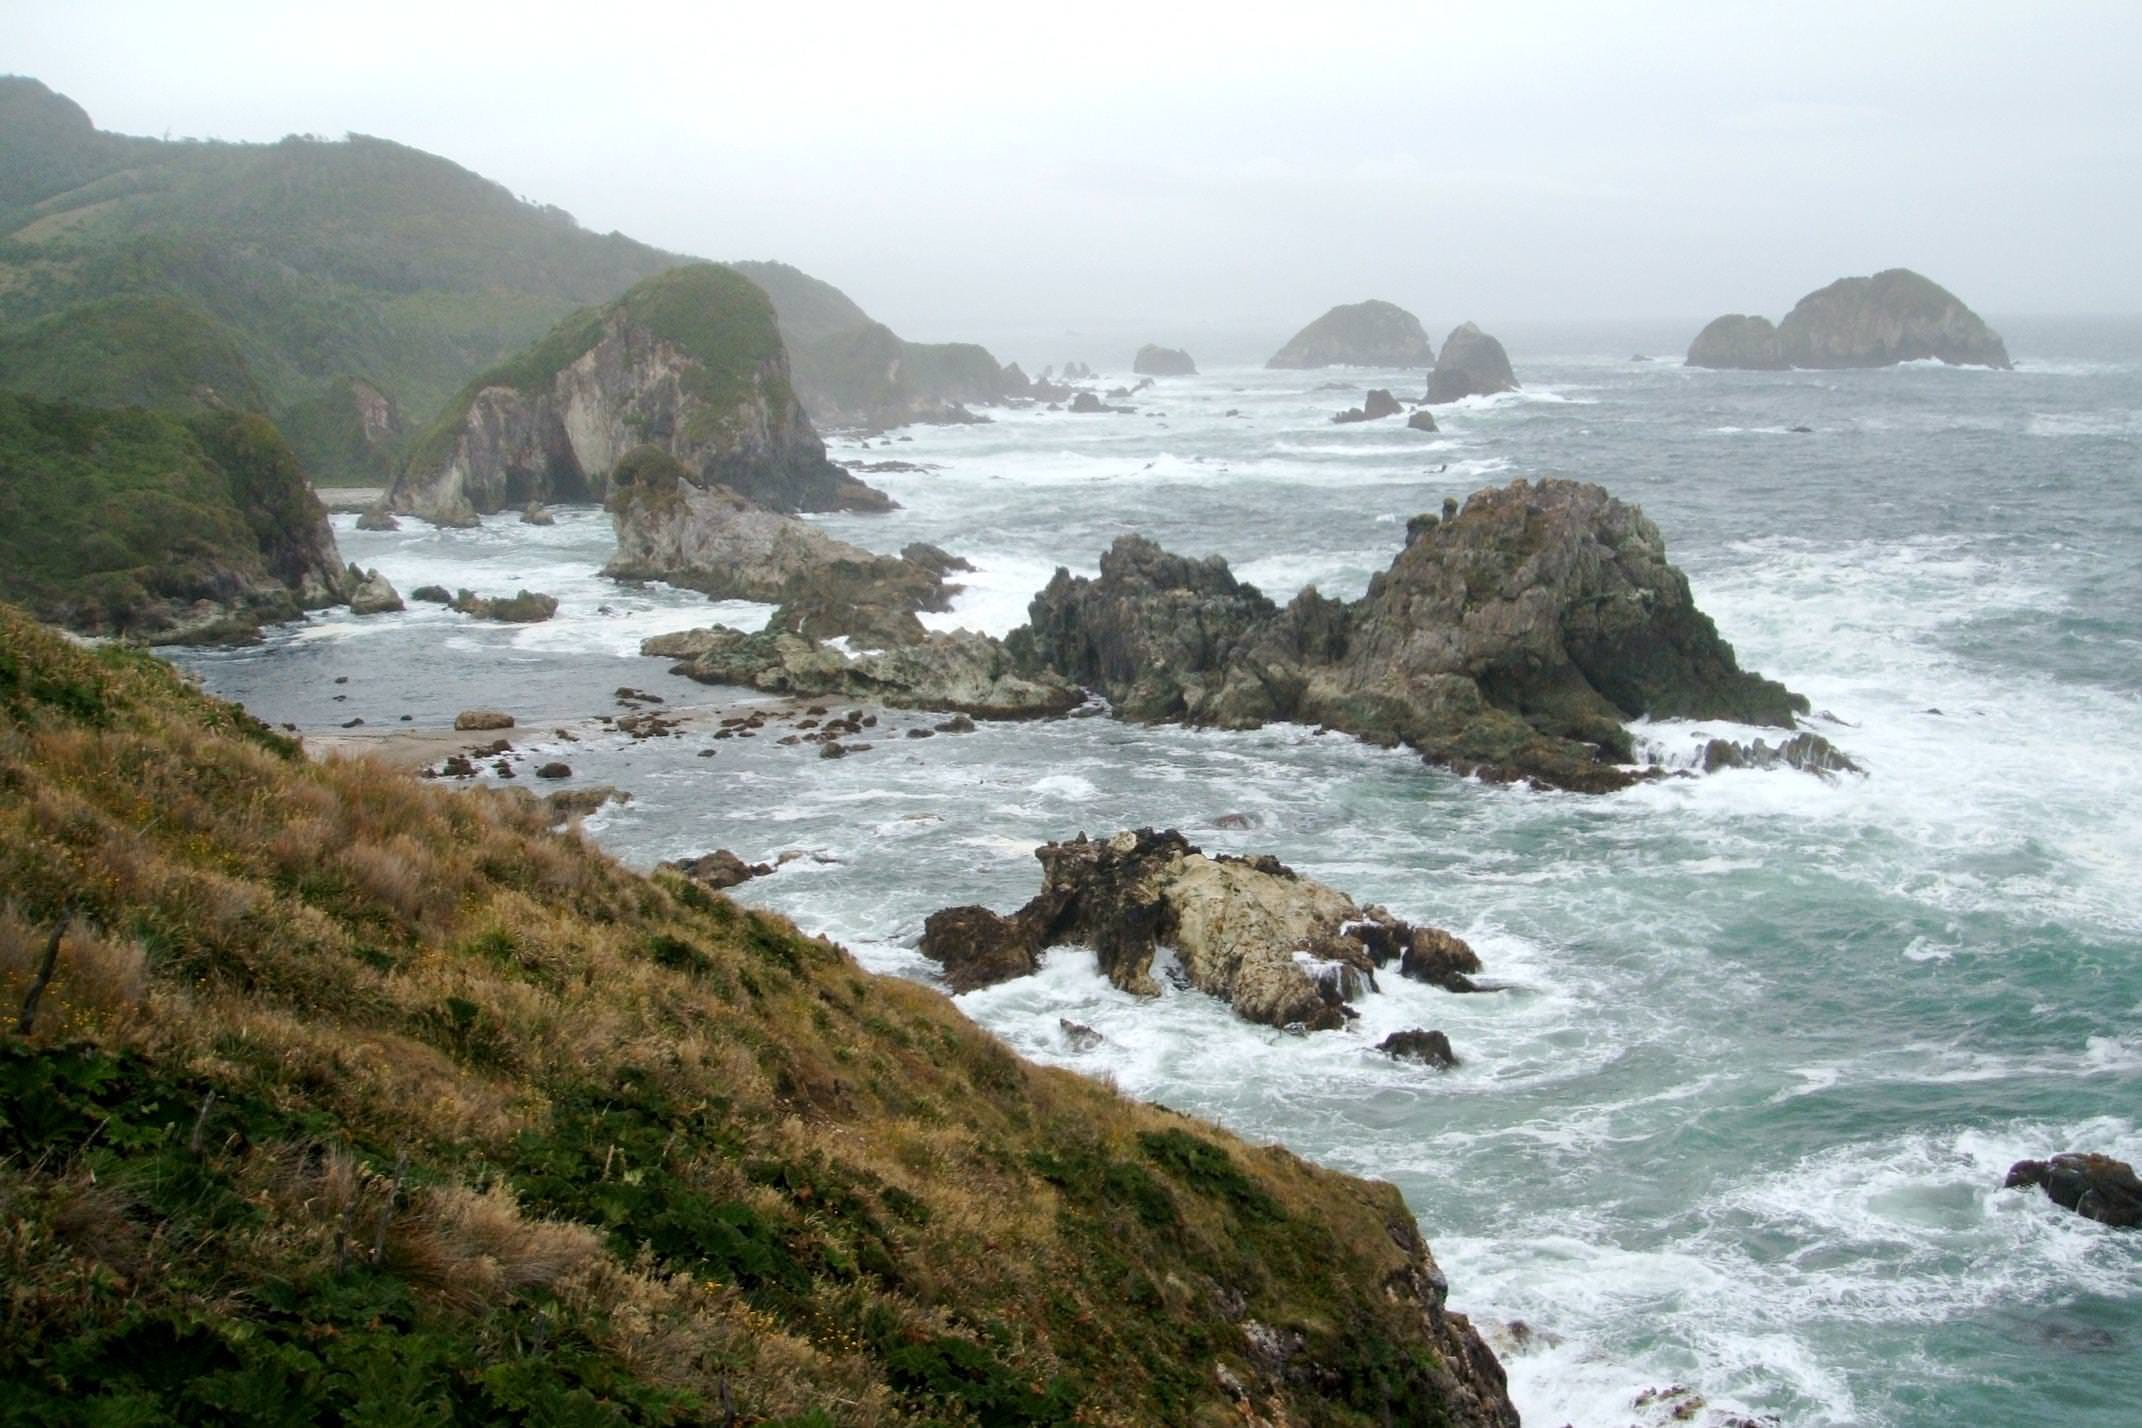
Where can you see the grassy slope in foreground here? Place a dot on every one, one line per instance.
(356, 1100)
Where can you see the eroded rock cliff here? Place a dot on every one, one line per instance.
(1512, 640)
(689, 361)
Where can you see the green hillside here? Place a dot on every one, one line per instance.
(355, 1100)
(129, 351)
(325, 260)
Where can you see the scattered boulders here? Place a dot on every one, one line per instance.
(1430, 1048)
(481, 720)
(1280, 948)
(2097, 1187)
(525, 608)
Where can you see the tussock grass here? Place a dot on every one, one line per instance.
(359, 1100)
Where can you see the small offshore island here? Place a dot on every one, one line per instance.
(484, 1045)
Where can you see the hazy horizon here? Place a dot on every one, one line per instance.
(1216, 175)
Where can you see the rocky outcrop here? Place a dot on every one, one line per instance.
(1894, 316)
(1281, 949)
(527, 607)
(961, 672)
(370, 593)
(1430, 1048)
(1377, 405)
(377, 518)
(1422, 420)
(1473, 364)
(2097, 1187)
(1361, 334)
(720, 869)
(1154, 361)
(711, 539)
(1807, 751)
(1510, 640)
(482, 720)
(689, 361)
(1737, 341)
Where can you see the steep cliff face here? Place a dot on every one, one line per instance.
(1511, 640)
(1361, 334)
(1894, 316)
(689, 361)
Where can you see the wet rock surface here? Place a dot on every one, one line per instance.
(2097, 1187)
(1281, 949)
(1510, 639)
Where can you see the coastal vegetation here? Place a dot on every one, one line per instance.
(342, 1098)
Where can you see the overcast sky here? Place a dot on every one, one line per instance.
(1174, 169)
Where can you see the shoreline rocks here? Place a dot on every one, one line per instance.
(526, 607)
(1281, 949)
(1362, 334)
(1378, 404)
(1895, 316)
(1473, 364)
(1511, 639)
(961, 673)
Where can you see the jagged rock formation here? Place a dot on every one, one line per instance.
(2097, 1187)
(1361, 334)
(1737, 340)
(1510, 640)
(1894, 316)
(1280, 948)
(690, 361)
(961, 672)
(851, 371)
(709, 538)
(371, 593)
(1473, 364)
(1156, 361)
(1377, 405)
(1806, 751)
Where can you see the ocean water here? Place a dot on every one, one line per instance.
(1737, 1124)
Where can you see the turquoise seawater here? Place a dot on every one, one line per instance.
(1737, 1124)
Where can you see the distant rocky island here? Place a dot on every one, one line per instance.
(1156, 361)
(1361, 334)
(1894, 316)
(1473, 364)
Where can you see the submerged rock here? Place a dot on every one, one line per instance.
(1280, 948)
(1509, 639)
(1361, 334)
(2097, 1187)
(1895, 316)
(1422, 420)
(1473, 364)
(1806, 751)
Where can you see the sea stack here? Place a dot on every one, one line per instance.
(1473, 364)
(690, 360)
(1894, 316)
(1361, 334)
(1155, 361)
